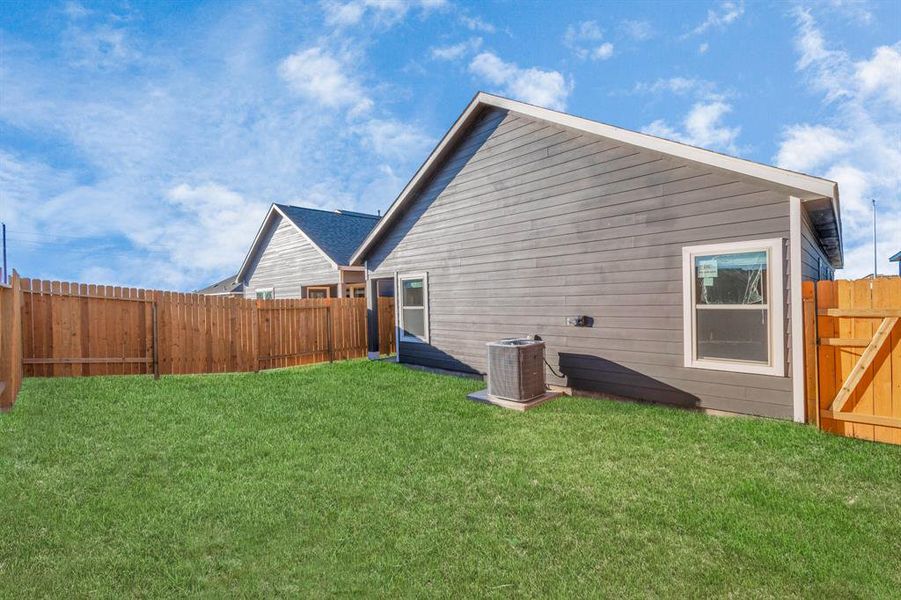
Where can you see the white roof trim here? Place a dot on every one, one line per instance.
(256, 241)
(811, 187)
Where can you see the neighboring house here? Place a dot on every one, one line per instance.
(305, 253)
(652, 269)
(897, 258)
(226, 287)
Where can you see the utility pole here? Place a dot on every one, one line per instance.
(875, 254)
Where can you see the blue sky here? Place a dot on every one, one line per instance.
(142, 143)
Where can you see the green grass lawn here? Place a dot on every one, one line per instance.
(370, 478)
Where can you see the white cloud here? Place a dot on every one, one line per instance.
(322, 77)
(682, 86)
(21, 181)
(720, 17)
(639, 31)
(160, 179)
(535, 86)
(880, 77)
(456, 51)
(703, 48)
(209, 219)
(75, 10)
(477, 24)
(382, 12)
(586, 31)
(602, 52)
(343, 13)
(858, 10)
(583, 39)
(98, 41)
(702, 126)
(394, 139)
(806, 147)
(857, 144)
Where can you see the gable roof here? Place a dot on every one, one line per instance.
(806, 187)
(334, 233)
(895, 257)
(226, 286)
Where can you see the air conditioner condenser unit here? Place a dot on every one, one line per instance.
(516, 369)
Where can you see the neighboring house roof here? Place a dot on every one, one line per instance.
(226, 286)
(806, 187)
(334, 233)
(896, 257)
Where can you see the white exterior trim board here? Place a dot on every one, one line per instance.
(796, 303)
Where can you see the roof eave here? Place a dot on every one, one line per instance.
(253, 245)
(442, 145)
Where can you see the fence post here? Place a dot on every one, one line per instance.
(255, 335)
(810, 359)
(156, 341)
(328, 320)
(816, 354)
(11, 368)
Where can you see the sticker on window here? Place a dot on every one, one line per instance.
(707, 270)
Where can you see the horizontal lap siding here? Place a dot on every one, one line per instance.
(527, 223)
(288, 262)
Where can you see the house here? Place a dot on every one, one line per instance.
(896, 258)
(652, 269)
(227, 287)
(305, 253)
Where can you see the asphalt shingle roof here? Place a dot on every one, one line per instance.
(225, 286)
(338, 233)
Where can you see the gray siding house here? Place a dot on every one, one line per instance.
(305, 253)
(652, 269)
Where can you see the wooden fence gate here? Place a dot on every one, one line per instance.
(387, 328)
(852, 357)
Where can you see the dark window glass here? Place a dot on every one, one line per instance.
(386, 288)
(413, 295)
(414, 322)
(732, 334)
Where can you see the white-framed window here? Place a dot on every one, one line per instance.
(732, 302)
(265, 293)
(413, 307)
(319, 292)
(354, 290)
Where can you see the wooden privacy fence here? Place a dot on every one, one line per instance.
(10, 343)
(297, 332)
(74, 329)
(852, 357)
